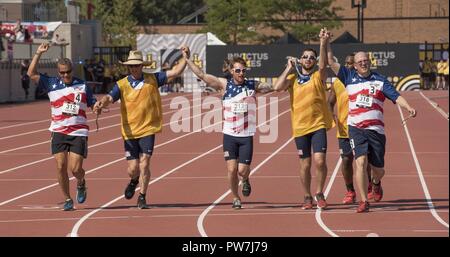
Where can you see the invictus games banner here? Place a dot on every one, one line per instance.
(398, 62)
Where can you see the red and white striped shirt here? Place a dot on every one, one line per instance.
(69, 105)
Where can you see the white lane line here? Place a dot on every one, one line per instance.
(76, 227)
(327, 191)
(421, 177)
(117, 160)
(101, 128)
(92, 146)
(435, 106)
(74, 232)
(202, 216)
(48, 120)
(91, 120)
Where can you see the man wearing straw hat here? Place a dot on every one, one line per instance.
(141, 114)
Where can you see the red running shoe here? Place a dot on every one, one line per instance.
(349, 198)
(321, 203)
(363, 207)
(369, 192)
(377, 192)
(308, 204)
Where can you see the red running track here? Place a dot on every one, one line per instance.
(189, 194)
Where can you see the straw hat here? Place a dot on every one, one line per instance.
(135, 58)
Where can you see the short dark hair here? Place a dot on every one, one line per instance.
(310, 50)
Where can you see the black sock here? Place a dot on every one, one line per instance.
(141, 194)
(135, 181)
(350, 187)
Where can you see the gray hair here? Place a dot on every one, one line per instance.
(65, 62)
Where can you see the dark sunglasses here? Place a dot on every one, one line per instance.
(309, 57)
(240, 70)
(65, 72)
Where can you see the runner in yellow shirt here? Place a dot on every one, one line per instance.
(141, 117)
(310, 116)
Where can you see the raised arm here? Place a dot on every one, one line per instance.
(211, 80)
(330, 57)
(324, 38)
(32, 70)
(179, 68)
(283, 82)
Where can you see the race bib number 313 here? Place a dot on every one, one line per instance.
(364, 101)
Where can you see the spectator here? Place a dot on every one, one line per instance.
(2, 48)
(99, 71)
(440, 67)
(57, 40)
(446, 75)
(24, 76)
(426, 73)
(20, 34)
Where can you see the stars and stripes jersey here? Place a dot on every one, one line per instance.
(366, 98)
(239, 109)
(69, 103)
(342, 108)
(309, 108)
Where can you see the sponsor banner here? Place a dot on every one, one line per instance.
(41, 30)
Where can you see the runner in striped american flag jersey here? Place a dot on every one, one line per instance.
(69, 99)
(367, 92)
(239, 120)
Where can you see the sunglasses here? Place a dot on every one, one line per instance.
(240, 70)
(135, 65)
(309, 57)
(65, 72)
(362, 61)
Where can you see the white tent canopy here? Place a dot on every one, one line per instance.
(212, 40)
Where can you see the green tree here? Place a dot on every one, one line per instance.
(231, 20)
(118, 21)
(164, 11)
(302, 18)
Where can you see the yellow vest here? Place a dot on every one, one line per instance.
(309, 109)
(141, 108)
(342, 109)
(446, 68)
(441, 67)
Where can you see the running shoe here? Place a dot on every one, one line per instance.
(363, 207)
(377, 192)
(81, 192)
(369, 191)
(237, 204)
(321, 203)
(246, 187)
(141, 202)
(349, 198)
(308, 203)
(68, 205)
(131, 188)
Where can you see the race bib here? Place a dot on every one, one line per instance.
(364, 101)
(70, 108)
(239, 107)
